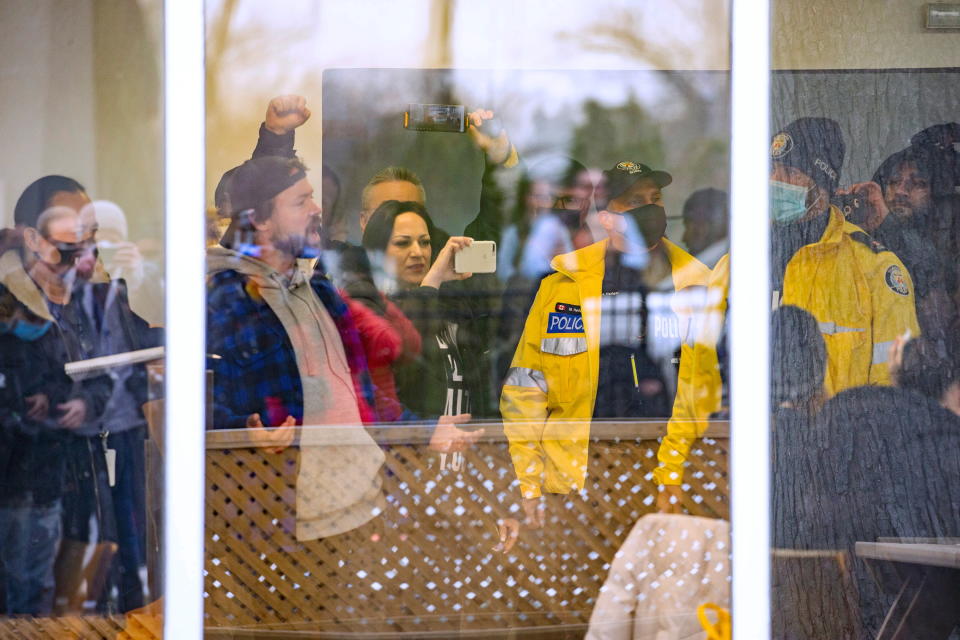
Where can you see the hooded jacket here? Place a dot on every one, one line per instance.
(284, 346)
(548, 397)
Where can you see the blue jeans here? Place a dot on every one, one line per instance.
(119, 511)
(29, 540)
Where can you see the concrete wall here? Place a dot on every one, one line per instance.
(858, 34)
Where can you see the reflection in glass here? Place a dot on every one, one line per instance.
(444, 344)
(81, 295)
(865, 353)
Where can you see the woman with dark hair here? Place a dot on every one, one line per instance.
(412, 246)
(389, 338)
(415, 258)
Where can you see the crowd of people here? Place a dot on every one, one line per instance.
(72, 472)
(595, 314)
(592, 313)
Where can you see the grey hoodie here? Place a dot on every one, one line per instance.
(339, 481)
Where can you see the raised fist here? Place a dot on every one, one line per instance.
(286, 113)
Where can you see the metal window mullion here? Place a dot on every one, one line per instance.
(183, 125)
(749, 318)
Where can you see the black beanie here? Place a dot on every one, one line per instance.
(257, 181)
(814, 146)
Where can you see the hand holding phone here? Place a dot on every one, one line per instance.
(450, 118)
(479, 257)
(444, 267)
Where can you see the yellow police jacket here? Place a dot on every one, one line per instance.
(548, 396)
(859, 292)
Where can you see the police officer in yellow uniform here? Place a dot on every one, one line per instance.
(585, 331)
(859, 292)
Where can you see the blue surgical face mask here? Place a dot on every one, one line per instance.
(29, 331)
(788, 202)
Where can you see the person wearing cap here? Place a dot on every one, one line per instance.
(860, 293)
(285, 351)
(583, 353)
(283, 348)
(706, 220)
(479, 297)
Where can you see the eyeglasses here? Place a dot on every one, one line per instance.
(559, 201)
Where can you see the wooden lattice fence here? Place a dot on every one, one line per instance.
(61, 628)
(428, 564)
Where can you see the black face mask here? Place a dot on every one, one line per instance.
(70, 252)
(651, 221)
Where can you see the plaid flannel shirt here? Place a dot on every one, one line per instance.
(252, 359)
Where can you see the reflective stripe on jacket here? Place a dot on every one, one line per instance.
(548, 396)
(859, 292)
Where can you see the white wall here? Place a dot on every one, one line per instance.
(79, 93)
(46, 94)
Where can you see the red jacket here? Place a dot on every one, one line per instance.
(386, 340)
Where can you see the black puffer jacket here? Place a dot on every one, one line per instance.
(32, 451)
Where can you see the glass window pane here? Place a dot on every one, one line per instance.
(865, 369)
(81, 317)
(410, 434)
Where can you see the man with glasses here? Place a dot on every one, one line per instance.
(39, 406)
(59, 270)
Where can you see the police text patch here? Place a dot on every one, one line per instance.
(896, 281)
(564, 323)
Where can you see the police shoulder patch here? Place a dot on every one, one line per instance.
(896, 281)
(864, 238)
(782, 145)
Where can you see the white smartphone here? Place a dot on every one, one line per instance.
(479, 257)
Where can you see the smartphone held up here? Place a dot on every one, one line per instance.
(479, 257)
(446, 118)
(450, 118)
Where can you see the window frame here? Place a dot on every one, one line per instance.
(749, 324)
(184, 138)
(184, 242)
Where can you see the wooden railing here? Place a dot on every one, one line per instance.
(433, 570)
